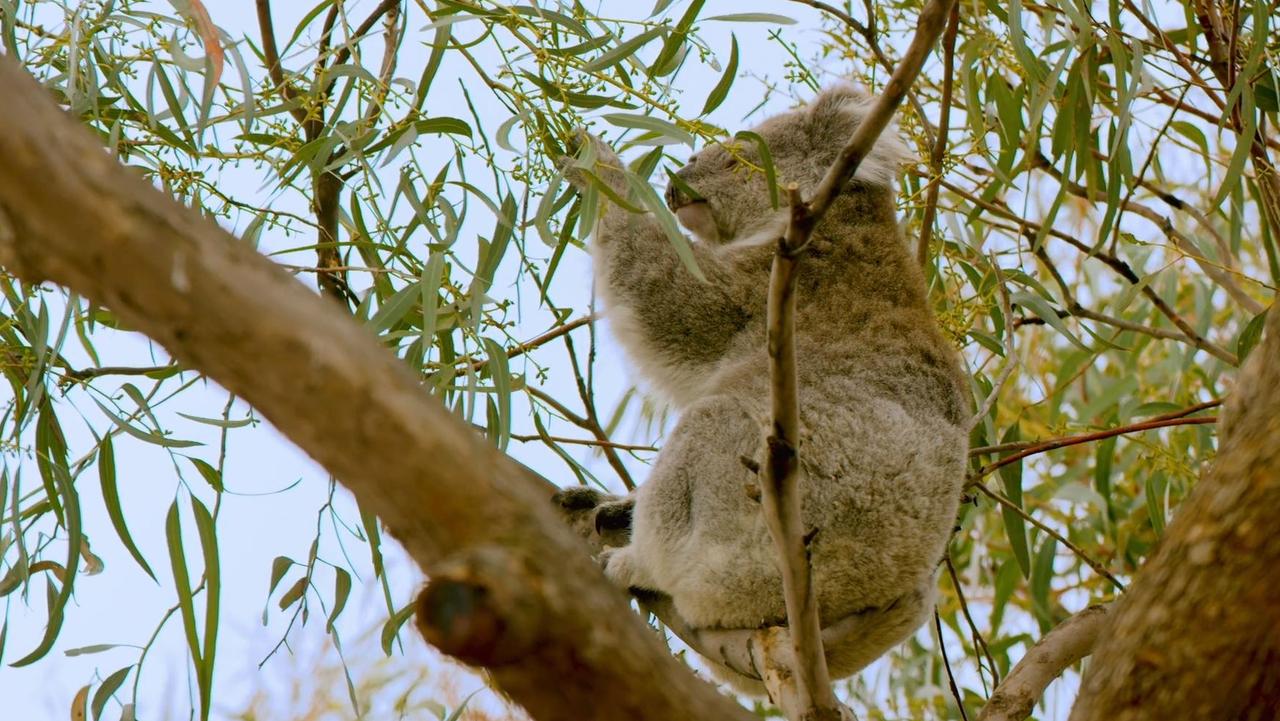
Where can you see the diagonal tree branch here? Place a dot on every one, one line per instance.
(1054, 653)
(559, 638)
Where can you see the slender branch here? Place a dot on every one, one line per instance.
(84, 374)
(1057, 443)
(1021, 445)
(869, 35)
(1067, 643)
(1005, 501)
(533, 343)
(588, 424)
(946, 663)
(272, 56)
(939, 151)
(586, 394)
(586, 442)
(979, 642)
(807, 686)
(932, 20)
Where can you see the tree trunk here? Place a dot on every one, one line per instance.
(1197, 636)
(517, 592)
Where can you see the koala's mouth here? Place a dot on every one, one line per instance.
(694, 214)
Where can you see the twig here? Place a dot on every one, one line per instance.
(1020, 445)
(589, 407)
(272, 55)
(1056, 443)
(810, 684)
(1067, 643)
(84, 374)
(946, 663)
(586, 424)
(1005, 501)
(585, 442)
(978, 641)
(939, 151)
(533, 343)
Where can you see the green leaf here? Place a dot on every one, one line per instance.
(1153, 489)
(341, 590)
(501, 375)
(182, 582)
(108, 688)
(623, 50)
(766, 161)
(1250, 336)
(142, 435)
(212, 597)
(392, 627)
(75, 542)
(1041, 578)
(1015, 526)
(753, 18)
(1047, 313)
(111, 498)
(652, 124)
(667, 222)
(669, 58)
(721, 90)
(395, 308)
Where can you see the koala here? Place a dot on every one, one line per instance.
(882, 396)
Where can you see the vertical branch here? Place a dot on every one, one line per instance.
(806, 690)
(940, 141)
(780, 491)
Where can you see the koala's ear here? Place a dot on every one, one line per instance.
(840, 99)
(835, 114)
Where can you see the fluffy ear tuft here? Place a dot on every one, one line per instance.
(836, 113)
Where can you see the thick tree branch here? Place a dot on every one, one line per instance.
(1197, 636)
(221, 308)
(1067, 643)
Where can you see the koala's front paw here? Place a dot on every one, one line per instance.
(613, 521)
(593, 154)
(619, 566)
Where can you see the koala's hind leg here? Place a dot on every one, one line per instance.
(601, 519)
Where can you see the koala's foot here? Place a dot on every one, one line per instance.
(613, 521)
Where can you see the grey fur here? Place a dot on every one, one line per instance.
(881, 392)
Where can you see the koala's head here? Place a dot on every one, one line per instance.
(733, 197)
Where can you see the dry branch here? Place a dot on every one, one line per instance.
(806, 692)
(1067, 643)
(221, 308)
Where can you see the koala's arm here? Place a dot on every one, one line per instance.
(686, 320)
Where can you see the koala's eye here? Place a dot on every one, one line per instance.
(731, 162)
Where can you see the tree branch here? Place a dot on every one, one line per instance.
(939, 151)
(219, 307)
(1067, 643)
(806, 690)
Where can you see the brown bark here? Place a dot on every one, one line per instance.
(1197, 636)
(70, 214)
